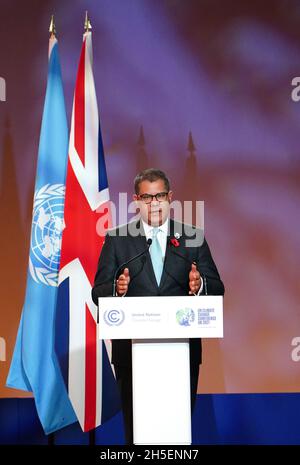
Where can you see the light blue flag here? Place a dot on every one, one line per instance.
(34, 366)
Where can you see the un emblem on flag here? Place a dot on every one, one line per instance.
(46, 233)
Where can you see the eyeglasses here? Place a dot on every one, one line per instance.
(148, 198)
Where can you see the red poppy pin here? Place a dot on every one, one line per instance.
(174, 242)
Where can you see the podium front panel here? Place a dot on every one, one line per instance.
(161, 392)
(160, 317)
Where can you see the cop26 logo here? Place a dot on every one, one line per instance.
(185, 316)
(46, 233)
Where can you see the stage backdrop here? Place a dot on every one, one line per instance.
(201, 89)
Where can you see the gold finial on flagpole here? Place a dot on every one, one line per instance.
(52, 29)
(87, 23)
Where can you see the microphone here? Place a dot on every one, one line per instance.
(189, 262)
(124, 265)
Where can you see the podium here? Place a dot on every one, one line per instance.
(160, 329)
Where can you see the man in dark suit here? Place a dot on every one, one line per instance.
(186, 268)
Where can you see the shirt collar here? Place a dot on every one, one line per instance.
(148, 228)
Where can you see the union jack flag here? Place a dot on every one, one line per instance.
(84, 359)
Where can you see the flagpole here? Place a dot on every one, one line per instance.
(52, 28)
(87, 23)
(52, 39)
(87, 29)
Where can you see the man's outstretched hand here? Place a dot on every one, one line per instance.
(123, 282)
(195, 280)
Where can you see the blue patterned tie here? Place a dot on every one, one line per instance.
(156, 255)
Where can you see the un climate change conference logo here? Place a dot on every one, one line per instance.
(47, 227)
(114, 317)
(185, 316)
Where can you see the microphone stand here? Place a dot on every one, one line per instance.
(190, 263)
(149, 242)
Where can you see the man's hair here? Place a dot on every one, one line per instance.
(151, 175)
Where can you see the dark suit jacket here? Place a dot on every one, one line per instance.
(120, 246)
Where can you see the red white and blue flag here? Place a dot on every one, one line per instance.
(84, 359)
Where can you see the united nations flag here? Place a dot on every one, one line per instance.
(34, 366)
